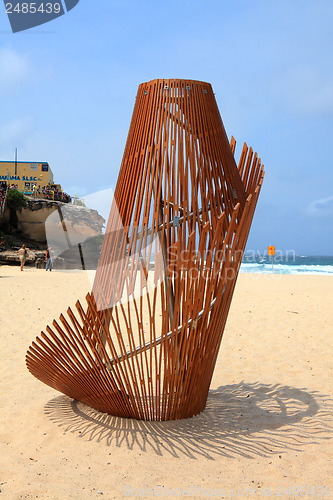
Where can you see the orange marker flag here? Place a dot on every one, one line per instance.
(271, 251)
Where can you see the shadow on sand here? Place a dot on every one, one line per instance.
(245, 419)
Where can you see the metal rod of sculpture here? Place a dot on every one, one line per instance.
(145, 345)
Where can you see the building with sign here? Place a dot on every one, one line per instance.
(26, 176)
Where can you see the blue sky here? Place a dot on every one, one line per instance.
(67, 91)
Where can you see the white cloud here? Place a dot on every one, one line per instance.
(321, 208)
(14, 67)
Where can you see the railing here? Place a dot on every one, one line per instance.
(50, 195)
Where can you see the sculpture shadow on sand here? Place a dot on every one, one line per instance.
(244, 419)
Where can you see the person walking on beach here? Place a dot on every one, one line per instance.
(23, 251)
(48, 259)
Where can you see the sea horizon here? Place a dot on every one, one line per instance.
(288, 263)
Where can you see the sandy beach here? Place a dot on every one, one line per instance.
(266, 431)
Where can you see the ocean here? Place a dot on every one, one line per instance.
(287, 264)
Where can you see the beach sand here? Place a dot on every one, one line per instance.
(266, 430)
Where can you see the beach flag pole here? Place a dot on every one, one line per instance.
(271, 251)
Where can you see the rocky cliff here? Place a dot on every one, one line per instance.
(38, 216)
(73, 232)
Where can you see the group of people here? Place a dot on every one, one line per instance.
(53, 194)
(23, 251)
(47, 192)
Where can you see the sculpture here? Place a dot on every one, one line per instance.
(146, 343)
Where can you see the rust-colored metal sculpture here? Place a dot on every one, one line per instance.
(146, 343)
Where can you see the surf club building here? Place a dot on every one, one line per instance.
(26, 177)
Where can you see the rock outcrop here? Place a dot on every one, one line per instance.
(73, 232)
(32, 219)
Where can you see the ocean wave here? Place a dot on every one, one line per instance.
(287, 269)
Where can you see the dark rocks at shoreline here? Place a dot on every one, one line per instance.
(10, 243)
(83, 256)
(12, 257)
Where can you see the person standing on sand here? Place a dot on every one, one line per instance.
(48, 259)
(23, 251)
